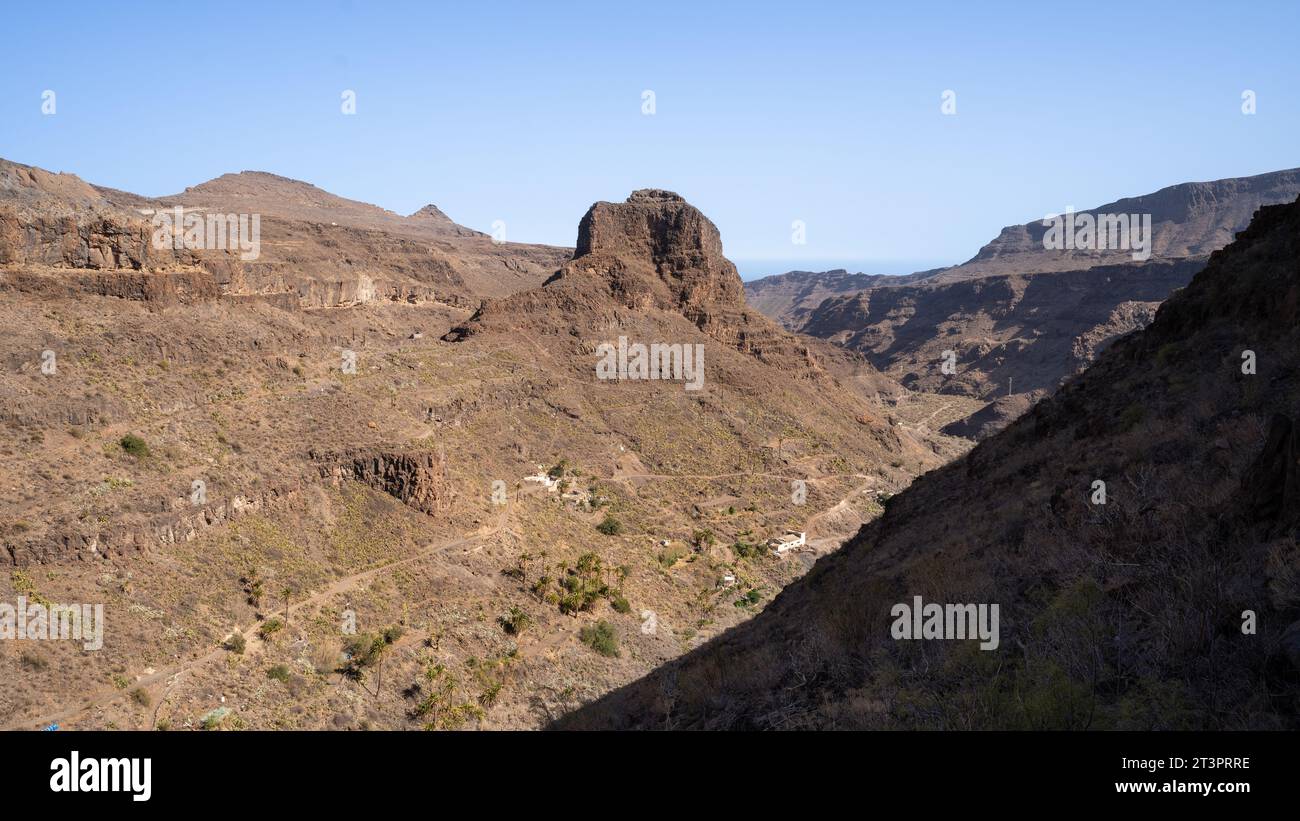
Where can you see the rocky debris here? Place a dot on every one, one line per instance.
(25, 410)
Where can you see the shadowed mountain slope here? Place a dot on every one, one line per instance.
(1175, 604)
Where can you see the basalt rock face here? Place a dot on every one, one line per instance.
(653, 252)
(416, 478)
(671, 254)
(791, 297)
(1122, 615)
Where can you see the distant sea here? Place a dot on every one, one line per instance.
(759, 268)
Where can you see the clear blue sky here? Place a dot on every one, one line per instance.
(529, 112)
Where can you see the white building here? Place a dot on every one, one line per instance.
(541, 478)
(787, 542)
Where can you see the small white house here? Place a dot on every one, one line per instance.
(542, 479)
(787, 542)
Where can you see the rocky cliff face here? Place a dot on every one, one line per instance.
(1189, 221)
(790, 297)
(1126, 613)
(416, 478)
(653, 252)
(668, 254)
(1023, 332)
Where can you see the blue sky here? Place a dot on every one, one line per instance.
(827, 113)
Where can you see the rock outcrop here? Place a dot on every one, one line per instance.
(653, 252)
(416, 478)
(68, 540)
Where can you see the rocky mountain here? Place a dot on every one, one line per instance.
(1018, 332)
(271, 195)
(788, 298)
(1019, 317)
(1189, 221)
(277, 497)
(315, 250)
(655, 254)
(1137, 531)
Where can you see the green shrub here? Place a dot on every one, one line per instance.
(747, 550)
(140, 696)
(212, 719)
(365, 649)
(619, 603)
(610, 526)
(703, 539)
(134, 445)
(279, 672)
(749, 599)
(269, 628)
(600, 637)
(236, 643)
(515, 622)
